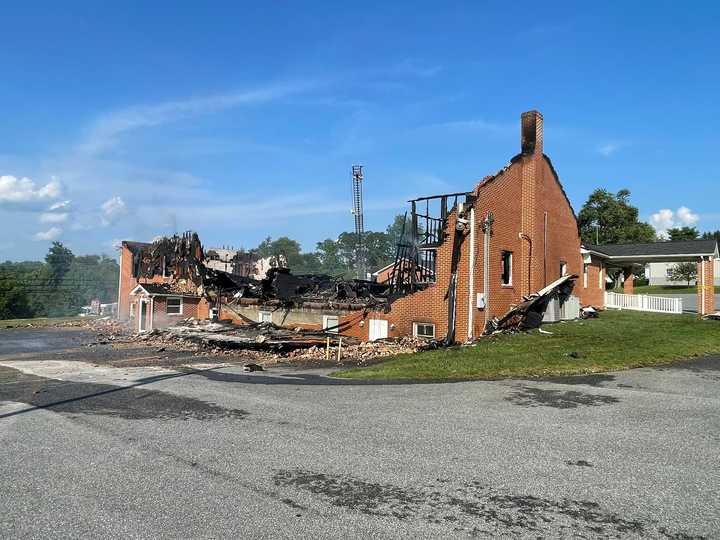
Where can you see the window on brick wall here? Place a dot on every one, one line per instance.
(563, 268)
(174, 305)
(600, 278)
(265, 316)
(424, 330)
(586, 269)
(331, 321)
(506, 262)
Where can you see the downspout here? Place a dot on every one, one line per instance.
(471, 286)
(524, 236)
(487, 231)
(545, 251)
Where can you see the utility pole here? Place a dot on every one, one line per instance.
(357, 178)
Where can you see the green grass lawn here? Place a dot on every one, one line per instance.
(41, 321)
(616, 340)
(668, 289)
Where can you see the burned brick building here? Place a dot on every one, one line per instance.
(482, 251)
(465, 258)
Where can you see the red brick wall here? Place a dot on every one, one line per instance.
(594, 293)
(705, 283)
(128, 282)
(519, 197)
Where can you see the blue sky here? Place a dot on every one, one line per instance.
(242, 120)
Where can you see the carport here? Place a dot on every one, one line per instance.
(629, 257)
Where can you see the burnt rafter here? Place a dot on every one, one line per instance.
(423, 232)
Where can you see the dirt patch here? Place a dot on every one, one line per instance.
(467, 507)
(527, 396)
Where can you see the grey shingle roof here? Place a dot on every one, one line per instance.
(686, 247)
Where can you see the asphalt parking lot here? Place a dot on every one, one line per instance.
(201, 451)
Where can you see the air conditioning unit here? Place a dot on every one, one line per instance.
(552, 313)
(570, 309)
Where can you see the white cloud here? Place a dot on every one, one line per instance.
(608, 149)
(61, 205)
(50, 234)
(23, 190)
(665, 219)
(111, 210)
(103, 134)
(53, 217)
(686, 216)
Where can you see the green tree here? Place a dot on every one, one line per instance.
(328, 253)
(685, 271)
(59, 259)
(14, 302)
(282, 248)
(710, 235)
(608, 218)
(678, 234)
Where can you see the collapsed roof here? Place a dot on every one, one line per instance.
(182, 257)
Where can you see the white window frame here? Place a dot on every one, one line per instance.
(600, 278)
(415, 329)
(325, 325)
(586, 271)
(563, 268)
(502, 268)
(167, 305)
(132, 309)
(262, 314)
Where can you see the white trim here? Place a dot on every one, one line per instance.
(325, 324)
(586, 271)
(261, 313)
(167, 305)
(415, 329)
(152, 313)
(136, 290)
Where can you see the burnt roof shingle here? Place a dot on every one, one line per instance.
(685, 247)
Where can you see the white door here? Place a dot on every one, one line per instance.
(378, 329)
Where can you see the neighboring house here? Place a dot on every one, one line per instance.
(659, 274)
(628, 258)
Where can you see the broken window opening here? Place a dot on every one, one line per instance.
(506, 264)
(423, 232)
(265, 317)
(174, 305)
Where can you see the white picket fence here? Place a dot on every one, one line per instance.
(643, 302)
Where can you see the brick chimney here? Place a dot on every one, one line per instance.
(531, 133)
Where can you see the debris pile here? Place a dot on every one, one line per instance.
(529, 314)
(183, 258)
(266, 343)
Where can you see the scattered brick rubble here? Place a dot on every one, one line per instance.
(263, 343)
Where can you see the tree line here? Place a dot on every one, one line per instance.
(63, 283)
(58, 286)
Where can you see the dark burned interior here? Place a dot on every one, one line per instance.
(183, 257)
